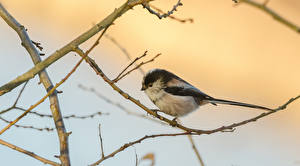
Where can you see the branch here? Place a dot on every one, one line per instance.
(173, 17)
(67, 116)
(44, 78)
(119, 77)
(136, 59)
(125, 146)
(31, 154)
(16, 101)
(101, 142)
(173, 123)
(272, 13)
(164, 15)
(28, 127)
(129, 4)
(196, 150)
(123, 50)
(121, 107)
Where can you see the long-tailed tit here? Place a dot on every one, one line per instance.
(176, 97)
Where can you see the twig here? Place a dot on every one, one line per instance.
(136, 158)
(31, 154)
(131, 63)
(101, 142)
(136, 67)
(263, 6)
(164, 15)
(16, 101)
(67, 116)
(196, 150)
(120, 106)
(229, 128)
(123, 50)
(43, 99)
(28, 127)
(125, 146)
(38, 45)
(173, 17)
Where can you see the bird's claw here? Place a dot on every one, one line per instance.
(174, 122)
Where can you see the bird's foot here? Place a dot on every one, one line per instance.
(155, 112)
(174, 122)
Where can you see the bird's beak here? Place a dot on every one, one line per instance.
(143, 88)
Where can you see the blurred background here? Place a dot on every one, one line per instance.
(236, 53)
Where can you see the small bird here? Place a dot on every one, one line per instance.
(176, 97)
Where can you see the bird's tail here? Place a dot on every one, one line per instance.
(228, 102)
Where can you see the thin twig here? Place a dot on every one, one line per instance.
(171, 16)
(164, 15)
(136, 158)
(73, 116)
(38, 45)
(28, 127)
(31, 154)
(114, 41)
(136, 67)
(263, 6)
(16, 101)
(131, 63)
(120, 106)
(44, 98)
(196, 150)
(125, 146)
(101, 142)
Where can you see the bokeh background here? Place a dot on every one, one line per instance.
(236, 53)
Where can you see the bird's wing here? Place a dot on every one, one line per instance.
(186, 91)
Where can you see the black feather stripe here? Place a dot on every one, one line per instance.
(228, 102)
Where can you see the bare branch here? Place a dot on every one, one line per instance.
(38, 45)
(136, 67)
(263, 6)
(101, 142)
(16, 101)
(31, 154)
(131, 63)
(123, 50)
(136, 158)
(196, 150)
(73, 116)
(125, 146)
(120, 106)
(28, 127)
(164, 15)
(171, 16)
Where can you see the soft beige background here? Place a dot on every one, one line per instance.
(236, 53)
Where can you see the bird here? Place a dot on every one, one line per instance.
(176, 97)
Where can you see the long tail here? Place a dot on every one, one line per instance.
(221, 101)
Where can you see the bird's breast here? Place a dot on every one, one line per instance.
(172, 104)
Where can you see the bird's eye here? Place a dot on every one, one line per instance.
(150, 85)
